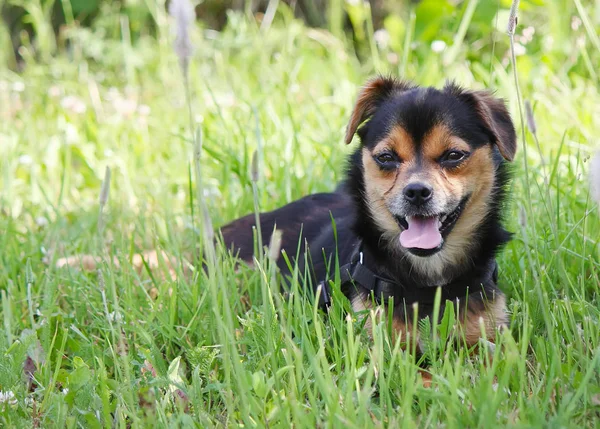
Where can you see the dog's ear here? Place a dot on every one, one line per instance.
(370, 97)
(494, 115)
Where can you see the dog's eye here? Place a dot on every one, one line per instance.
(386, 159)
(453, 157)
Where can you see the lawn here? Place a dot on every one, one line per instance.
(180, 347)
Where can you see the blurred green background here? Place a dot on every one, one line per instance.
(266, 69)
(42, 27)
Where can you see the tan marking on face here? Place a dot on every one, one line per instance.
(383, 186)
(440, 139)
(400, 141)
(378, 186)
(475, 176)
(448, 185)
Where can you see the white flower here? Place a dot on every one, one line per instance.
(18, 86)
(382, 38)
(7, 398)
(520, 49)
(71, 134)
(54, 91)
(25, 160)
(438, 46)
(41, 221)
(125, 106)
(115, 316)
(143, 109)
(528, 33)
(73, 104)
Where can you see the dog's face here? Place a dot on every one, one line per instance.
(429, 162)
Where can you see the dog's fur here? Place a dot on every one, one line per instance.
(407, 136)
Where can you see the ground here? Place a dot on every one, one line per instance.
(173, 346)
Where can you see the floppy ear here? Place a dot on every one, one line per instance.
(494, 115)
(370, 97)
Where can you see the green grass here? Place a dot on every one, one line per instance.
(118, 348)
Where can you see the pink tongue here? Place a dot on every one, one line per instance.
(422, 233)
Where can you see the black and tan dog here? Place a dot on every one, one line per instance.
(420, 207)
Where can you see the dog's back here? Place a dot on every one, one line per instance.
(307, 220)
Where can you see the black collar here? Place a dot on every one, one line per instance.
(361, 273)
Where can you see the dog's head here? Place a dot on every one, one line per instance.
(429, 161)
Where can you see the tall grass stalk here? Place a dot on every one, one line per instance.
(595, 177)
(589, 27)
(181, 10)
(457, 43)
(183, 14)
(255, 199)
(534, 265)
(512, 24)
(102, 201)
(406, 48)
(29, 284)
(533, 129)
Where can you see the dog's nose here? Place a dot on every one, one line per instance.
(418, 193)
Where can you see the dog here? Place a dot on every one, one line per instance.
(420, 208)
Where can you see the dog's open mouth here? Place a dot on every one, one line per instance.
(424, 235)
